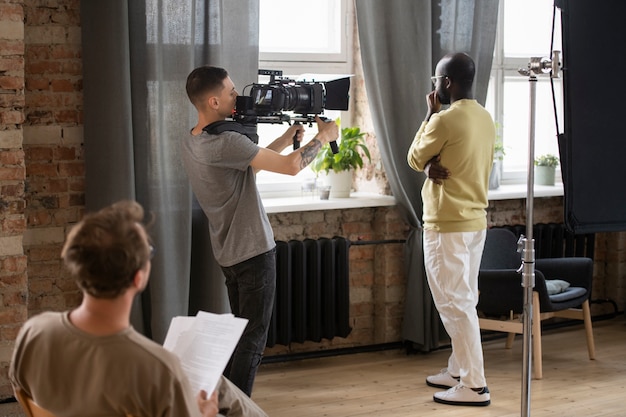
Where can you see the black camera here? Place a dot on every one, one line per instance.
(267, 102)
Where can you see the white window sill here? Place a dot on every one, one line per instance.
(513, 191)
(312, 201)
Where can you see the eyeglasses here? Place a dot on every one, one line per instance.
(434, 78)
(152, 251)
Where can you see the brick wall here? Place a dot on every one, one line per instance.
(13, 297)
(41, 164)
(42, 191)
(52, 146)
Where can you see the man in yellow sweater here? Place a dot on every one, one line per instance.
(454, 147)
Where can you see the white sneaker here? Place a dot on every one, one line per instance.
(462, 395)
(442, 380)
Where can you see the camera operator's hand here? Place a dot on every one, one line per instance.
(326, 131)
(286, 139)
(295, 131)
(435, 171)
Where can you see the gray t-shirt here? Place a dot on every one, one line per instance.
(218, 167)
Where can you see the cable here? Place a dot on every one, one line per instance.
(556, 118)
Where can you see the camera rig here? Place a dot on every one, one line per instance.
(266, 103)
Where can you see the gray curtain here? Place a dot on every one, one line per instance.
(136, 57)
(401, 42)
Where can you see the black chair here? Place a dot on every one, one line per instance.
(501, 298)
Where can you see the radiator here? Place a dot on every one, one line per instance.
(312, 291)
(554, 240)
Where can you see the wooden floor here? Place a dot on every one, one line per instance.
(391, 383)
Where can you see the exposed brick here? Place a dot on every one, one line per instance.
(10, 316)
(45, 201)
(65, 52)
(16, 100)
(12, 65)
(68, 116)
(11, 117)
(11, 83)
(12, 173)
(11, 47)
(77, 184)
(39, 153)
(11, 226)
(14, 298)
(39, 218)
(37, 84)
(43, 67)
(9, 266)
(12, 157)
(77, 200)
(46, 170)
(44, 253)
(71, 169)
(11, 12)
(62, 86)
(12, 190)
(65, 153)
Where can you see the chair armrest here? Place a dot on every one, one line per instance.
(578, 271)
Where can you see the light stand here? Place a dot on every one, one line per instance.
(526, 244)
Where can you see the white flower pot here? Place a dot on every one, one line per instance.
(340, 183)
(496, 175)
(544, 175)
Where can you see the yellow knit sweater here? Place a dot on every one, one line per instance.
(464, 135)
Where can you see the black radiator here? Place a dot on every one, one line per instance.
(312, 291)
(554, 240)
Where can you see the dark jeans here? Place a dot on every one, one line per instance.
(251, 286)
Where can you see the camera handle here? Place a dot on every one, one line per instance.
(296, 144)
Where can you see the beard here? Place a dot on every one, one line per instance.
(443, 96)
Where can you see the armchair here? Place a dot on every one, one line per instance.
(501, 298)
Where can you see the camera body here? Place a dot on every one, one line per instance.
(266, 103)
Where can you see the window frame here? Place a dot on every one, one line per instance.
(504, 67)
(293, 65)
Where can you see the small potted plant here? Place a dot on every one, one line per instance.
(545, 166)
(339, 167)
(495, 175)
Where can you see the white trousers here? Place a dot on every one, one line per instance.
(452, 261)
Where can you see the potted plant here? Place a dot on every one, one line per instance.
(498, 155)
(340, 166)
(545, 165)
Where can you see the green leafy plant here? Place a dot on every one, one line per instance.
(498, 149)
(348, 157)
(547, 160)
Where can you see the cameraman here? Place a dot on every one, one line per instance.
(221, 168)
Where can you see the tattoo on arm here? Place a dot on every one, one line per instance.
(309, 152)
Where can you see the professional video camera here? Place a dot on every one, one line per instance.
(267, 102)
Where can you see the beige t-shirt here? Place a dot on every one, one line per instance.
(72, 373)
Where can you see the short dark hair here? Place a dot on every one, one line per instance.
(106, 248)
(203, 80)
(461, 69)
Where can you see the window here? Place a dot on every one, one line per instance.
(302, 30)
(524, 31)
(301, 37)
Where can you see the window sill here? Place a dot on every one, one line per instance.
(312, 202)
(514, 191)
